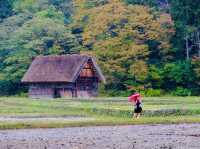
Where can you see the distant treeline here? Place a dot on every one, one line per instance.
(150, 46)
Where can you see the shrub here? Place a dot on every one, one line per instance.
(118, 93)
(152, 92)
(180, 91)
(23, 94)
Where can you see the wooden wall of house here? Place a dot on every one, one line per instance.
(87, 93)
(51, 90)
(87, 82)
(66, 92)
(88, 70)
(41, 92)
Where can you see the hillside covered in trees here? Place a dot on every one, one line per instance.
(151, 46)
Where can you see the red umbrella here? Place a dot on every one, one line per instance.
(134, 97)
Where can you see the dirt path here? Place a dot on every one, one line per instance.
(183, 136)
(28, 119)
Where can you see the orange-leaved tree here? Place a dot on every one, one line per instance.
(122, 36)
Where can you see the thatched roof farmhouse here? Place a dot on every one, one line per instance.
(63, 76)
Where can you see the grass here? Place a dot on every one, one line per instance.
(105, 111)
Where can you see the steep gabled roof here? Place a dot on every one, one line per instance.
(64, 68)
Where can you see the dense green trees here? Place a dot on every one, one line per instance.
(137, 43)
(36, 28)
(185, 15)
(5, 8)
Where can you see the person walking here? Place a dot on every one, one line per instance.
(137, 109)
(136, 100)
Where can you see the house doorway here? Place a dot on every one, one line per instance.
(57, 93)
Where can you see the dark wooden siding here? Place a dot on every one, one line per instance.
(88, 70)
(41, 92)
(87, 82)
(51, 90)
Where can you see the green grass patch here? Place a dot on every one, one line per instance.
(105, 111)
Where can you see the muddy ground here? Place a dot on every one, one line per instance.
(183, 136)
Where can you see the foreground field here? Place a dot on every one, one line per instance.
(182, 136)
(26, 113)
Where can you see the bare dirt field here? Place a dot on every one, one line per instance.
(182, 136)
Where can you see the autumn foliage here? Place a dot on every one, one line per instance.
(119, 36)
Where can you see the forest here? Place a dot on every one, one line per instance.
(148, 46)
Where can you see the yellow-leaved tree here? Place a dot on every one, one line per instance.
(122, 37)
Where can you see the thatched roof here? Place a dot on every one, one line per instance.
(65, 68)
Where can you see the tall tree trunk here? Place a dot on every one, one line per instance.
(198, 43)
(187, 48)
